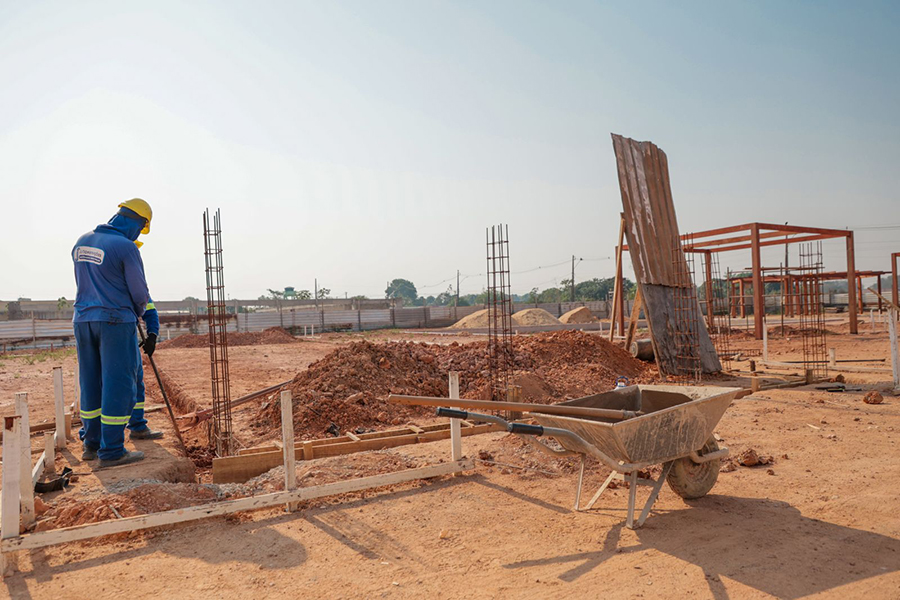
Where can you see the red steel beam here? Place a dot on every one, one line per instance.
(798, 229)
(778, 242)
(730, 240)
(851, 283)
(759, 307)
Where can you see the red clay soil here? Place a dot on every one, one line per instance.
(144, 499)
(349, 387)
(272, 335)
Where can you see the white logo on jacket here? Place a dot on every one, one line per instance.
(89, 254)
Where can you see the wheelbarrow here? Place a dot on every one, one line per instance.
(661, 424)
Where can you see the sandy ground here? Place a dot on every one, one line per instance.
(823, 523)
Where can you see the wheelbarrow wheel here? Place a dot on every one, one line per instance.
(691, 480)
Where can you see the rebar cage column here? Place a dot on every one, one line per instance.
(499, 306)
(221, 434)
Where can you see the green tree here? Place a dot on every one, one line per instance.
(402, 288)
(323, 293)
(303, 295)
(62, 303)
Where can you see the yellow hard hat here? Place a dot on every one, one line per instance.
(141, 208)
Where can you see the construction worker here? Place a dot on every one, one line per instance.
(111, 295)
(138, 424)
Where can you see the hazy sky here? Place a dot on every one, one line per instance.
(357, 142)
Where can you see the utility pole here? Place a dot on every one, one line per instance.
(572, 299)
(316, 292)
(457, 287)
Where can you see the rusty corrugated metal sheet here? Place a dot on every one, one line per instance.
(650, 223)
(652, 232)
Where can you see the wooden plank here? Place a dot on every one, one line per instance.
(238, 469)
(82, 532)
(617, 282)
(895, 353)
(416, 429)
(9, 498)
(632, 323)
(455, 425)
(60, 407)
(839, 368)
(26, 492)
(352, 436)
(287, 438)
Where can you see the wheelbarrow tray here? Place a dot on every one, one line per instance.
(678, 420)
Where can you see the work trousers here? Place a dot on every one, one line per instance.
(108, 361)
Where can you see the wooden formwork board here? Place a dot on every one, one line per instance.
(240, 468)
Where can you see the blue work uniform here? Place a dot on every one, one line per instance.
(138, 422)
(111, 294)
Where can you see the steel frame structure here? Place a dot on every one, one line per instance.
(754, 236)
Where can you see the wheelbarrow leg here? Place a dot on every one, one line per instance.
(580, 481)
(632, 496)
(654, 493)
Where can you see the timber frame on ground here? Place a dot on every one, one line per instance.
(754, 236)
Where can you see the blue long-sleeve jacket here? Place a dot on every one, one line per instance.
(109, 273)
(151, 318)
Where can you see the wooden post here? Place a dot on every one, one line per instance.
(759, 309)
(895, 352)
(851, 283)
(287, 440)
(635, 313)
(754, 384)
(26, 491)
(832, 357)
(765, 336)
(60, 405)
(455, 425)
(49, 452)
(618, 294)
(809, 376)
(9, 501)
(895, 285)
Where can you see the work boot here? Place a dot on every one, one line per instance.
(146, 434)
(87, 453)
(126, 459)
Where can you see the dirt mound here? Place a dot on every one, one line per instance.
(144, 499)
(477, 320)
(581, 314)
(272, 335)
(531, 317)
(349, 387)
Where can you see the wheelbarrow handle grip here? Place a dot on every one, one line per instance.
(452, 413)
(525, 429)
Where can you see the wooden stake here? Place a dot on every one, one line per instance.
(76, 404)
(25, 491)
(895, 352)
(635, 312)
(49, 452)
(832, 357)
(9, 501)
(617, 289)
(455, 426)
(287, 438)
(60, 405)
(765, 335)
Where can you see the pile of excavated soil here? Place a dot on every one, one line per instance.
(531, 317)
(477, 320)
(347, 390)
(143, 499)
(272, 335)
(581, 314)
